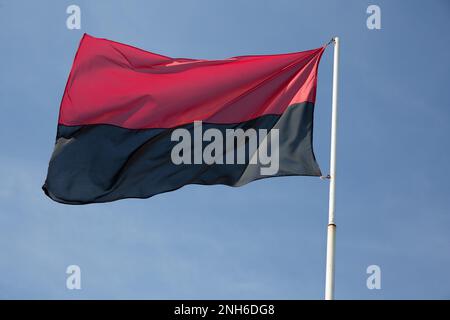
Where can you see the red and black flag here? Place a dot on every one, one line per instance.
(133, 124)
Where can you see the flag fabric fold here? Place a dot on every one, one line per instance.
(133, 124)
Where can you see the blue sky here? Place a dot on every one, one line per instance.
(265, 240)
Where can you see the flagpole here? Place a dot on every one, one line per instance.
(331, 232)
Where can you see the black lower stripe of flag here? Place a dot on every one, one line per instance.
(102, 163)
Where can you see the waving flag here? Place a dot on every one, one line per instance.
(133, 124)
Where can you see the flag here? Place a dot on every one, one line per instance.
(133, 124)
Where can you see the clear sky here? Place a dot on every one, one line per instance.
(265, 240)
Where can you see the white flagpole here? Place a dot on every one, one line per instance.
(331, 233)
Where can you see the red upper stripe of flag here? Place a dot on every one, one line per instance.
(113, 83)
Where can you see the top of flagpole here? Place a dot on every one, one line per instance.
(332, 40)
